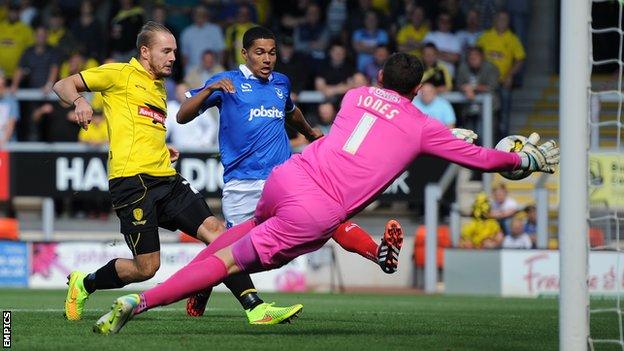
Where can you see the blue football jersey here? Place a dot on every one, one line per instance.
(252, 138)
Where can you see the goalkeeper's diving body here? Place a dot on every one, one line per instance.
(376, 135)
(254, 104)
(146, 191)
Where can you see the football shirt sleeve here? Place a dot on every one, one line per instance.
(437, 140)
(214, 99)
(101, 78)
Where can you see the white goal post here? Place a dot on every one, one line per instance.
(574, 88)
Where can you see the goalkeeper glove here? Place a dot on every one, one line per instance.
(466, 135)
(542, 158)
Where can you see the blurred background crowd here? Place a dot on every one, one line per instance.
(329, 46)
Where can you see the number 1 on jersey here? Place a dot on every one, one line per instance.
(359, 133)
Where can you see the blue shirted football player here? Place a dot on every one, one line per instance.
(254, 105)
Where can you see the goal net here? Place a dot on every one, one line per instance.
(605, 205)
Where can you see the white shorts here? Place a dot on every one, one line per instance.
(240, 198)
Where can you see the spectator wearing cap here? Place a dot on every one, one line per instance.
(446, 42)
(366, 39)
(311, 37)
(434, 106)
(208, 67)
(199, 37)
(435, 72)
(15, 38)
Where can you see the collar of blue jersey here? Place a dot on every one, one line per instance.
(248, 75)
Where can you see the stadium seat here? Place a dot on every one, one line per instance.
(444, 240)
(596, 237)
(9, 229)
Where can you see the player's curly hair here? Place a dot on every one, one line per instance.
(402, 73)
(146, 35)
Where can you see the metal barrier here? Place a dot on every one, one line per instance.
(434, 191)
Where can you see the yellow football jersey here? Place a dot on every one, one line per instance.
(135, 109)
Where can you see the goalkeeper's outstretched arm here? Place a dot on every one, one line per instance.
(438, 140)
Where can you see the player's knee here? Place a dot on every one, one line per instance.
(210, 229)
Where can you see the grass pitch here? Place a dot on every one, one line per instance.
(328, 322)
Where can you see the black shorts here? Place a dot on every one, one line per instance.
(143, 203)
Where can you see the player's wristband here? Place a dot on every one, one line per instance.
(76, 99)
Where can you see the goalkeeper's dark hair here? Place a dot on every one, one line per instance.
(146, 35)
(402, 73)
(252, 34)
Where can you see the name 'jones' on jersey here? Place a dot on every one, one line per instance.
(378, 105)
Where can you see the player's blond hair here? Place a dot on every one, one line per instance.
(146, 35)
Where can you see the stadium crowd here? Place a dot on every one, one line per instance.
(331, 46)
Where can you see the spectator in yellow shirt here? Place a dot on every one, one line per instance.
(481, 232)
(410, 37)
(504, 50)
(97, 134)
(75, 64)
(234, 36)
(15, 37)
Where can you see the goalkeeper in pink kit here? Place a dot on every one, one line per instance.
(376, 135)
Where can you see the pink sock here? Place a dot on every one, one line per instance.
(226, 239)
(194, 277)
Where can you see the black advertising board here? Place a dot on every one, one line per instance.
(63, 173)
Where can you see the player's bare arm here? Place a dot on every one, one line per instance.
(296, 120)
(191, 106)
(68, 90)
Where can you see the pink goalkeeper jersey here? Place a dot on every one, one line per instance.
(377, 134)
